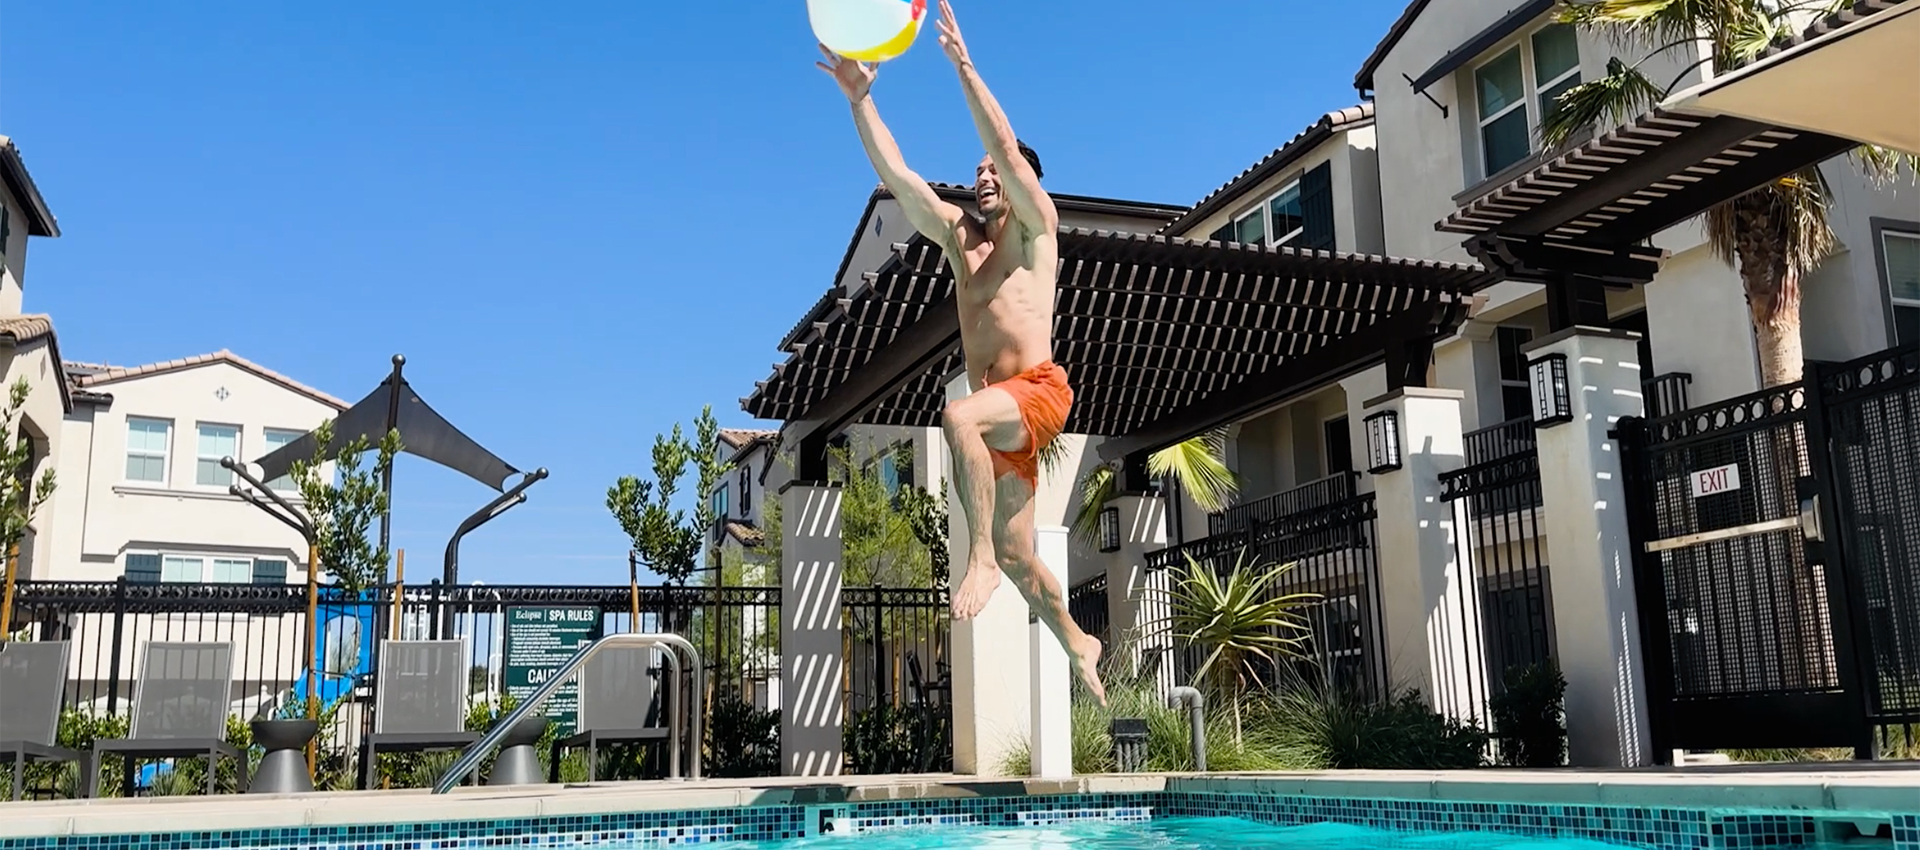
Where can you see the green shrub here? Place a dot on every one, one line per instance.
(1528, 717)
(1400, 733)
(903, 739)
(742, 741)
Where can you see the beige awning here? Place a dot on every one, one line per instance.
(1858, 81)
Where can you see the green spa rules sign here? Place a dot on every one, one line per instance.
(539, 641)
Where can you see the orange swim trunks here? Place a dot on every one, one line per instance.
(1044, 398)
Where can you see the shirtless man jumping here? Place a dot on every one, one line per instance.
(1004, 271)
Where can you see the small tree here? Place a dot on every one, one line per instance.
(342, 509)
(661, 535)
(20, 497)
(881, 544)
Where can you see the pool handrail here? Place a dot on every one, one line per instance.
(470, 759)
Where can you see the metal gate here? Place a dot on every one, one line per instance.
(1777, 551)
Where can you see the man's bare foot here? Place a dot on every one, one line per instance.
(978, 587)
(1086, 665)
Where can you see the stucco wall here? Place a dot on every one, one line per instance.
(40, 420)
(13, 273)
(1356, 192)
(103, 516)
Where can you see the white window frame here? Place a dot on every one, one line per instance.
(1264, 208)
(166, 453)
(206, 566)
(1895, 302)
(266, 445)
(238, 434)
(1531, 89)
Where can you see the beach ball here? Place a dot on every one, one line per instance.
(867, 30)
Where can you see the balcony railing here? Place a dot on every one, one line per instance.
(1330, 490)
(1666, 395)
(1504, 440)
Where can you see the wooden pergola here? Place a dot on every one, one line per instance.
(1162, 338)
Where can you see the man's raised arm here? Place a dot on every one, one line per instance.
(933, 217)
(1030, 203)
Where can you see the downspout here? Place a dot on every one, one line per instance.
(1196, 706)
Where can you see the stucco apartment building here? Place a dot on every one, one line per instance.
(1375, 177)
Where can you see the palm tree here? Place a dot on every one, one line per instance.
(1773, 235)
(1235, 618)
(1197, 465)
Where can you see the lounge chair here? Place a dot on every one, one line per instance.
(619, 704)
(180, 705)
(32, 678)
(420, 702)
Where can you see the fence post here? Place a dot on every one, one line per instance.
(119, 624)
(880, 691)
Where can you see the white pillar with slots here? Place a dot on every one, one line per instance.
(810, 642)
(1595, 618)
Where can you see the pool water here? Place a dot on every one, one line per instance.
(1171, 834)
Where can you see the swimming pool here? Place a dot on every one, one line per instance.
(1465, 811)
(1172, 834)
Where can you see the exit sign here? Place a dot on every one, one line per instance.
(1720, 479)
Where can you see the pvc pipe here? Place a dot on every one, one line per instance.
(1196, 706)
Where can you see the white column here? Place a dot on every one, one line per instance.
(991, 685)
(810, 647)
(1143, 529)
(1428, 597)
(1052, 713)
(1596, 625)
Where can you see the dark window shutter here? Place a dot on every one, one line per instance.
(143, 569)
(269, 572)
(1316, 208)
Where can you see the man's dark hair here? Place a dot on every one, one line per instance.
(1033, 159)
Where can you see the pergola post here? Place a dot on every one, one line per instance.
(1595, 618)
(992, 694)
(1429, 597)
(810, 645)
(1131, 590)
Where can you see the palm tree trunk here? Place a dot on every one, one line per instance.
(1772, 286)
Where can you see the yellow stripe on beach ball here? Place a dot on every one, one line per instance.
(867, 30)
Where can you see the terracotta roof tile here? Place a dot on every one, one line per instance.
(738, 437)
(116, 374)
(26, 327)
(746, 534)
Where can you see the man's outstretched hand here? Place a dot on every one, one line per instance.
(950, 41)
(855, 79)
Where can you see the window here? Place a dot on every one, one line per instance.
(1339, 443)
(1277, 221)
(719, 503)
(1516, 400)
(1515, 90)
(177, 569)
(275, 439)
(232, 571)
(1903, 279)
(216, 442)
(6, 228)
(746, 492)
(147, 441)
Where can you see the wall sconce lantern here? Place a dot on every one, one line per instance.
(1110, 530)
(1383, 442)
(1552, 400)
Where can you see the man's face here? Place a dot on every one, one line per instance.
(986, 188)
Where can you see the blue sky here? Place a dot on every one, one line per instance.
(579, 221)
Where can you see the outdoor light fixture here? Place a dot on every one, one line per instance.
(1383, 442)
(1110, 530)
(1552, 401)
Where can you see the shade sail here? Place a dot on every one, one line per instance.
(423, 433)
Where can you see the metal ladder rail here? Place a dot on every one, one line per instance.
(470, 758)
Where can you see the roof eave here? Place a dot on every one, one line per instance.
(13, 170)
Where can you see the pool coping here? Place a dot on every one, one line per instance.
(1838, 791)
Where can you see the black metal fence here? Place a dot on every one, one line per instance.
(1331, 544)
(896, 647)
(1087, 603)
(1777, 541)
(1507, 546)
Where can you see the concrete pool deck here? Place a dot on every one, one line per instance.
(1877, 787)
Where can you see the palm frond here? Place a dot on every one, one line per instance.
(1883, 165)
(1052, 454)
(1200, 465)
(1640, 22)
(1616, 98)
(1097, 488)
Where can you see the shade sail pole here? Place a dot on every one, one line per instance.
(386, 476)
